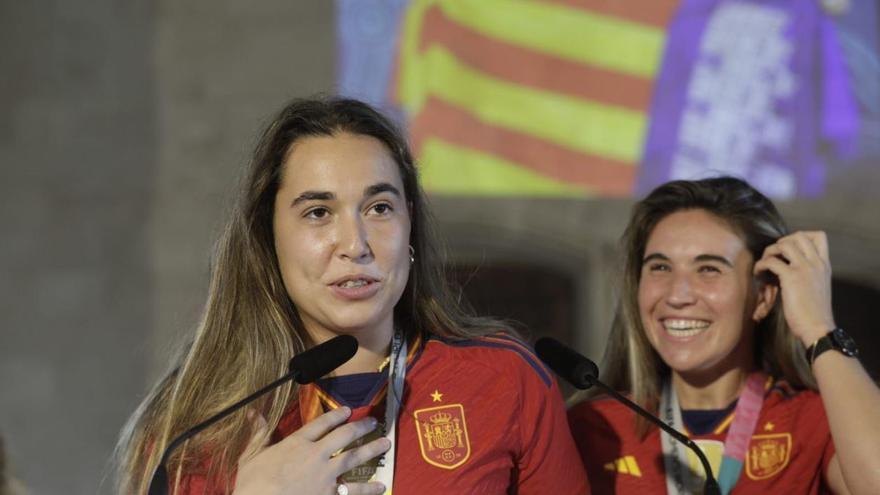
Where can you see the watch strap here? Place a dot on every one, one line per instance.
(822, 344)
(837, 339)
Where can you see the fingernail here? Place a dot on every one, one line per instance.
(373, 422)
(346, 411)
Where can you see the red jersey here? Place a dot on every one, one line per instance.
(478, 416)
(789, 450)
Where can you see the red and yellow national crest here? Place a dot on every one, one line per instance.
(767, 455)
(443, 436)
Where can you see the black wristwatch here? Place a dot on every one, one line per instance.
(837, 340)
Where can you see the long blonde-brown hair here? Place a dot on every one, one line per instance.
(250, 327)
(630, 363)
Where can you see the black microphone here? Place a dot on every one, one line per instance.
(583, 374)
(304, 368)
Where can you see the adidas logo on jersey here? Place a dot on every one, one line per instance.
(625, 465)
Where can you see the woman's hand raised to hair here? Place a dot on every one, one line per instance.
(303, 463)
(801, 263)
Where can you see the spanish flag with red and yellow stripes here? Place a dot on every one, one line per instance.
(530, 98)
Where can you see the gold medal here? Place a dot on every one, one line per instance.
(365, 471)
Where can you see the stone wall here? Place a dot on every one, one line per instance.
(122, 130)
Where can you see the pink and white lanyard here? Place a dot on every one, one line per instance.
(680, 479)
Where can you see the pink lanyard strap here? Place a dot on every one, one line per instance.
(748, 408)
(745, 417)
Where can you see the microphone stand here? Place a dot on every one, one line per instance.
(305, 367)
(583, 374)
(159, 482)
(711, 487)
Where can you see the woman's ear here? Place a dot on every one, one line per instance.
(767, 294)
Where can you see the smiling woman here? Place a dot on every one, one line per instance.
(331, 237)
(722, 328)
(695, 290)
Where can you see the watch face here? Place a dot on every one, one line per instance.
(844, 343)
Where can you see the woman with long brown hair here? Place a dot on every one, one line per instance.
(725, 330)
(331, 237)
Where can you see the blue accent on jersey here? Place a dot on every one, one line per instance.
(353, 390)
(527, 356)
(704, 421)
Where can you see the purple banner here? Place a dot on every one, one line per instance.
(755, 89)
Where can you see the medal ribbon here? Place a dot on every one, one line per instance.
(680, 479)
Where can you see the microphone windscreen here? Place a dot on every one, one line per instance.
(159, 483)
(570, 365)
(316, 362)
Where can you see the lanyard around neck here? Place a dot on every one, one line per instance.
(312, 401)
(680, 479)
(393, 398)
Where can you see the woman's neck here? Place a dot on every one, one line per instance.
(715, 393)
(365, 360)
(373, 348)
(721, 384)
